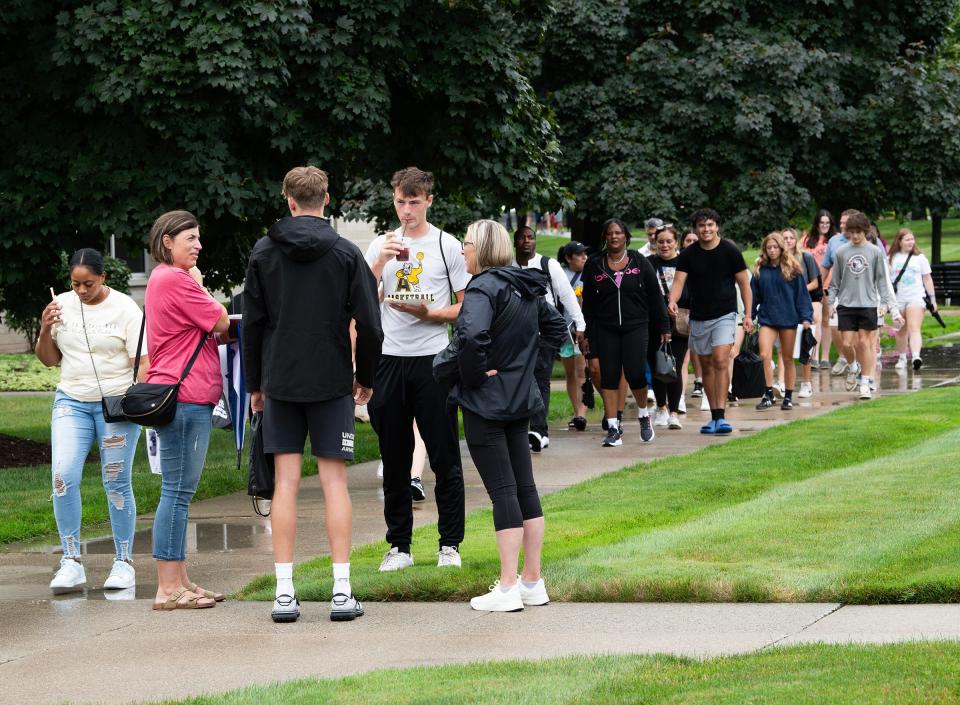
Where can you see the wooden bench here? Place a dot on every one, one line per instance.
(946, 281)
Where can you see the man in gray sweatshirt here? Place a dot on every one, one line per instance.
(860, 291)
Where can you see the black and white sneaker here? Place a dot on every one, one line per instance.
(344, 608)
(416, 490)
(917, 363)
(286, 608)
(787, 404)
(697, 389)
(613, 438)
(536, 441)
(765, 403)
(647, 433)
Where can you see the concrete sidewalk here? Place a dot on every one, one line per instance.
(85, 648)
(116, 653)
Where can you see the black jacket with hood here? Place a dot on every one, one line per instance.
(512, 393)
(304, 284)
(638, 301)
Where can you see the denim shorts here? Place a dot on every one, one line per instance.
(707, 335)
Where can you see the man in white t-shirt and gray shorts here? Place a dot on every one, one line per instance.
(422, 271)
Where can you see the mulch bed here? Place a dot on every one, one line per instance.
(19, 452)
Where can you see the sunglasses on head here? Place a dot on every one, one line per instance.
(665, 226)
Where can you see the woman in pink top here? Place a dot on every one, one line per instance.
(815, 242)
(180, 313)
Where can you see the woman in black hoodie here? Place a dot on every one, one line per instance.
(621, 297)
(503, 323)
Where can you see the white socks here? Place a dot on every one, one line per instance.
(613, 423)
(643, 412)
(341, 579)
(284, 578)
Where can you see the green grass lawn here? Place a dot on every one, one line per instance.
(26, 491)
(28, 510)
(857, 506)
(902, 674)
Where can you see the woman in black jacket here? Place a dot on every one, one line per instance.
(503, 323)
(621, 297)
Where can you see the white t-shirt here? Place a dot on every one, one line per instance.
(560, 284)
(113, 327)
(421, 279)
(910, 287)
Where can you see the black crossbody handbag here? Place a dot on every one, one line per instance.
(142, 403)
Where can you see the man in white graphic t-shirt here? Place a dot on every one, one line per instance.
(422, 272)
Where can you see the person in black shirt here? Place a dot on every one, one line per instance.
(710, 269)
(621, 297)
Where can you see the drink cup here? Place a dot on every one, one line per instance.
(404, 254)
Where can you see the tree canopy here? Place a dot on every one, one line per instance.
(115, 112)
(760, 109)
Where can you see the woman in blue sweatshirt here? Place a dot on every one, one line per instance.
(781, 298)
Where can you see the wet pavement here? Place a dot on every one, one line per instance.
(53, 640)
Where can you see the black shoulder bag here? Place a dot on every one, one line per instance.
(154, 404)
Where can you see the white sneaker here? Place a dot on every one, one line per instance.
(873, 384)
(395, 560)
(661, 417)
(704, 403)
(71, 577)
(865, 392)
(448, 557)
(780, 389)
(344, 608)
(535, 596)
(499, 601)
(122, 576)
(806, 391)
(545, 443)
(901, 363)
(286, 609)
(839, 367)
(651, 397)
(674, 422)
(682, 406)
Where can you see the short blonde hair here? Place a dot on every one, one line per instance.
(307, 185)
(171, 223)
(492, 242)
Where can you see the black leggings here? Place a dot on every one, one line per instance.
(621, 349)
(670, 394)
(501, 452)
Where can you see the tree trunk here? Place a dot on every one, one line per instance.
(585, 229)
(936, 234)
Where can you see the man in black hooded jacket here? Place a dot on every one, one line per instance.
(304, 285)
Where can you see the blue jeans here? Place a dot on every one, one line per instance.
(183, 449)
(73, 427)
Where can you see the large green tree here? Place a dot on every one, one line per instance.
(760, 109)
(113, 112)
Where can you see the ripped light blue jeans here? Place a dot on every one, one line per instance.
(183, 450)
(73, 428)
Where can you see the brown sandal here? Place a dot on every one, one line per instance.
(210, 594)
(173, 602)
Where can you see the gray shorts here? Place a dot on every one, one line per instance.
(706, 335)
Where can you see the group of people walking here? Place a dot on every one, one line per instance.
(422, 325)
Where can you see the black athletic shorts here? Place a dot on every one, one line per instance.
(856, 318)
(329, 423)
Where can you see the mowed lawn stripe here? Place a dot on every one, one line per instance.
(796, 542)
(900, 674)
(615, 507)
